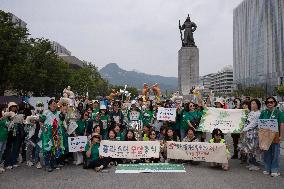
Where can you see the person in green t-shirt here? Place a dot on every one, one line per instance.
(82, 124)
(93, 159)
(96, 109)
(272, 155)
(190, 118)
(104, 121)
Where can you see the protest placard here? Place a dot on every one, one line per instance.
(197, 151)
(130, 149)
(228, 120)
(72, 127)
(166, 114)
(271, 124)
(150, 168)
(77, 144)
(134, 115)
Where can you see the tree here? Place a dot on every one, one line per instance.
(13, 48)
(280, 91)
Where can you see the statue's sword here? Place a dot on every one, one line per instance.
(180, 32)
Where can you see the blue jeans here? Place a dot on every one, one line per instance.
(2, 149)
(37, 151)
(182, 134)
(272, 158)
(49, 159)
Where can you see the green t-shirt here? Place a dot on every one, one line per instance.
(277, 114)
(147, 117)
(120, 136)
(3, 130)
(94, 113)
(189, 116)
(94, 151)
(105, 120)
(80, 130)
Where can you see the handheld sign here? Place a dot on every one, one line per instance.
(77, 144)
(166, 114)
(271, 124)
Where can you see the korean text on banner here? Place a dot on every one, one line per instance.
(228, 120)
(166, 114)
(130, 149)
(77, 144)
(197, 151)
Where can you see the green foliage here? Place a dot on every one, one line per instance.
(280, 90)
(252, 91)
(30, 65)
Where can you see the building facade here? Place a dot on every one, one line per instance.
(19, 22)
(258, 43)
(59, 49)
(220, 83)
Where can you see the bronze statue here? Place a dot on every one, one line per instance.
(188, 27)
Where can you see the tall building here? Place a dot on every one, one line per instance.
(60, 49)
(258, 47)
(220, 83)
(19, 22)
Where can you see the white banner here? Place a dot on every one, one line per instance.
(197, 151)
(166, 114)
(77, 144)
(130, 149)
(228, 120)
(271, 124)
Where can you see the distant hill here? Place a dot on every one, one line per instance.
(117, 76)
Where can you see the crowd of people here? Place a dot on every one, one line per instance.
(40, 137)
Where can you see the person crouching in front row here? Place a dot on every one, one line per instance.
(218, 137)
(93, 159)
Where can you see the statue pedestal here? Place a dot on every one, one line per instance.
(188, 69)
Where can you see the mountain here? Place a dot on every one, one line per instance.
(117, 76)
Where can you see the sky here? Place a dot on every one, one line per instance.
(138, 35)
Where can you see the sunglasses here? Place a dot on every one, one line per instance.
(270, 102)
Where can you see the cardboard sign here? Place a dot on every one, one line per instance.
(197, 151)
(271, 124)
(130, 149)
(166, 114)
(77, 144)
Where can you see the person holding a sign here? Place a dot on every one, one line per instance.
(190, 119)
(272, 154)
(93, 159)
(218, 137)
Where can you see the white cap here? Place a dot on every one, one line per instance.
(103, 107)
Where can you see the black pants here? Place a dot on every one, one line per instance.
(96, 163)
(236, 138)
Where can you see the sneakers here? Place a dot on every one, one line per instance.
(38, 165)
(9, 167)
(16, 165)
(49, 169)
(254, 168)
(275, 174)
(29, 163)
(2, 170)
(265, 172)
(98, 169)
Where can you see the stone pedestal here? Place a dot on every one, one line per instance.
(188, 69)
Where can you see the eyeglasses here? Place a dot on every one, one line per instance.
(218, 134)
(270, 102)
(153, 133)
(86, 115)
(97, 137)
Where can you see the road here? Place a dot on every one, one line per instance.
(198, 176)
